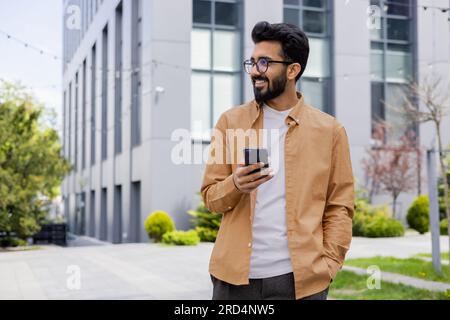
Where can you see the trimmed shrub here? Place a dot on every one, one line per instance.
(206, 234)
(381, 226)
(157, 224)
(181, 238)
(359, 222)
(205, 222)
(418, 216)
(375, 221)
(443, 226)
(12, 242)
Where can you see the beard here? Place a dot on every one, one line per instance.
(274, 88)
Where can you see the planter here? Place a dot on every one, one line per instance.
(52, 233)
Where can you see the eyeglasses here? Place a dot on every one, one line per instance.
(261, 65)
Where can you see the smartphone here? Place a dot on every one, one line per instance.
(253, 156)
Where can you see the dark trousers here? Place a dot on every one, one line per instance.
(274, 288)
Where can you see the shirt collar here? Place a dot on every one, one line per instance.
(295, 114)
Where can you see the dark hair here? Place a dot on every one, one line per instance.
(294, 42)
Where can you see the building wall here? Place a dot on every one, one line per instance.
(434, 55)
(166, 96)
(352, 76)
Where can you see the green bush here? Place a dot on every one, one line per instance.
(181, 238)
(206, 234)
(12, 242)
(157, 224)
(360, 219)
(361, 215)
(381, 226)
(418, 216)
(374, 221)
(441, 202)
(207, 221)
(442, 212)
(443, 226)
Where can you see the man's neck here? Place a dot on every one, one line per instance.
(285, 101)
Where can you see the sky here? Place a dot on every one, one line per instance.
(40, 24)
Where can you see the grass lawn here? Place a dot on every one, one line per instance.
(350, 286)
(21, 248)
(444, 255)
(413, 267)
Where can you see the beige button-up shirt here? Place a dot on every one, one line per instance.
(319, 195)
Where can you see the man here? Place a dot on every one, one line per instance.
(286, 229)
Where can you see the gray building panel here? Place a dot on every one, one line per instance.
(143, 174)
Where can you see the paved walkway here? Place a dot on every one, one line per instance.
(126, 271)
(402, 247)
(141, 271)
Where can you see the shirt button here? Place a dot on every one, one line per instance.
(229, 208)
(249, 244)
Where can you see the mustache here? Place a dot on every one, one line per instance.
(260, 78)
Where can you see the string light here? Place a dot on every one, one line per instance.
(31, 46)
(156, 63)
(424, 7)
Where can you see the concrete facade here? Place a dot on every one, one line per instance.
(142, 178)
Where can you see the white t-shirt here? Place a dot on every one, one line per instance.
(270, 253)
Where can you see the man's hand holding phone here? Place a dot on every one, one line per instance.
(246, 182)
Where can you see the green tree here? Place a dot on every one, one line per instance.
(31, 164)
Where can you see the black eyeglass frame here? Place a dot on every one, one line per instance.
(251, 63)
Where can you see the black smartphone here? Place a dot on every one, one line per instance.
(253, 156)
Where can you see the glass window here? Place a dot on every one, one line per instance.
(394, 100)
(225, 93)
(291, 16)
(314, 21)
(226, 14)
(391, 59)
(399, 47)
(398, 8)
(316, 93)
(216, 63)
(200, 102)
(314, 3)
(201, 11)
(377, 34)
(398, 66)
(318, 62)
(377, 46)
(312, 17)
(377, 101)
(376, 66)
(201, 49)
(226, 51)
(398, 29)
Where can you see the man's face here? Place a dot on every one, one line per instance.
(272, 83)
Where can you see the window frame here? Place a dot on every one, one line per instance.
(327, 35)
(384, 43)
(211, 72)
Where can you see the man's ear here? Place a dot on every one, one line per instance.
(294, 70)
